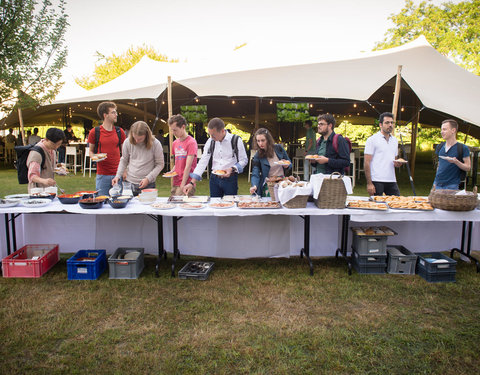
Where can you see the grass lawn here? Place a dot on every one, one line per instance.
(256, 316)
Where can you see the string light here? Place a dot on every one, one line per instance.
(311, 105)
(354, 105)
(382, 100)
(402, 109)
(196, 100)
(271, 101)
(163, 101)
(233, 101)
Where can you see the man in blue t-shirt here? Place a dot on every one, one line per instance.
(450, 163)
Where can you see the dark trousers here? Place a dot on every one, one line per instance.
(223, 186)
(389, 188)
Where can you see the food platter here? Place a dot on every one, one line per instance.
(192, 206)
(240, 198)
(163, 206)
(398, 199)
(185, 199)
(367, 205)
(5, 203)
(222, 205)
(259, 205)
(36, 202)
(413, 206)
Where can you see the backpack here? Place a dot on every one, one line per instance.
(234, 149)
(335, 147)
(21, 162)
(97, 139)
(463, 174)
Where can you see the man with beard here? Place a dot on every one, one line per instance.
(381, 151)
(332, 149)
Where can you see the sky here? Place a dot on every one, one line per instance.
(278, 32)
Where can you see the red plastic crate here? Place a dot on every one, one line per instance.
(20, 264)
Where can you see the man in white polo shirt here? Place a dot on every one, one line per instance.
(381, 150)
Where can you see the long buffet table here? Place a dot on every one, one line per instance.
(230, 233)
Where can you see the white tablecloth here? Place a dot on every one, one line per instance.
(230, 233)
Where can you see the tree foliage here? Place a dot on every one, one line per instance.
(32, 51)
(452, 29)
(108, 68)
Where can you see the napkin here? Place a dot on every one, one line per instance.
(317, 180)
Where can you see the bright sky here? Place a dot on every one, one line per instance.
(278, 31)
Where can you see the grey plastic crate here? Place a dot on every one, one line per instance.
(448, 264)
(121, 268)
(437, 277)
(401, 260)
(370, 245)
(196, 270)
(369, 264)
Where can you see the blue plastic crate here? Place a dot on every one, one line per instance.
(78, 269)
(429, 263)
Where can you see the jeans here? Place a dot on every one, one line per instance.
(446, 186)
(103, 184)
(223, 186)
(61, 154)
(389, 188)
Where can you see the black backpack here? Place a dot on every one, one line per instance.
(97, 139)
(234, 149)
(463, 174)
(21, 162)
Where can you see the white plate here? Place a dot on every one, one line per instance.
(280, 163)
(218, 174)
(211, 205)
(11, 203)
(446, 157)
(170, 176)
(189, 206)
(167, 206)
(147, 202)
(17, 196)
(132, 255)
(41, 202)
(401, 161)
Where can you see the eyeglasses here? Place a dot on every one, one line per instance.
(389, 122)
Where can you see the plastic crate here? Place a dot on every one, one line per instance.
(370, 245)
(369, 264)
(120, 268)
(78, 269)
(196, 270)
(448, 266)
(21, 264)
(436, 277)
(401, 260)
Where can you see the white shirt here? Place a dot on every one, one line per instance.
(223, 156)
(383, 154)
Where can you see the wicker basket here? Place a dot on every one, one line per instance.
(333, 193)
(300, 201)
(447, 200)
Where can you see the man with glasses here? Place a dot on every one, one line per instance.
(381, 150)
(106, 138)
(332, 150)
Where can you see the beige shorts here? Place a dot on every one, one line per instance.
(177, 191)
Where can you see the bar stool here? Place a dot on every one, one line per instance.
(298, 161)
(252, 155)
(199, 156)
(90, 168)
(72, 152)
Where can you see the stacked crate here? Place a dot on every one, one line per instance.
(369, 255)
(436, 267)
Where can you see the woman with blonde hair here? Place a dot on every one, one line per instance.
(142, 158)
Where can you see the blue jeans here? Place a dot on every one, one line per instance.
(103, 184)
(61, 154)
(446, 186)
(223, 186)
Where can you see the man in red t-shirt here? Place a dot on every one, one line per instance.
(109, 143)
(184, 148)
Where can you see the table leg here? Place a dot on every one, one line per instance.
(7, 234)
(306, 242)
(469, 245)
(176, 252)
(161, 248)
(344, 242)
(14, 236)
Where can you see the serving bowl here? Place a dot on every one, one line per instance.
(69, 198)
(90, 203)
(43, 195)
(118, 203)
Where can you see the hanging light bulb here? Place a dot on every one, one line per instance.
(402, 109)
(271, 101)
(233, 101)
(354, 105)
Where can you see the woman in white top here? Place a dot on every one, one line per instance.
(142, 153)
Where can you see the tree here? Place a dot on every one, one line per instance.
(108, 68)
(452, 29)
(32, 51)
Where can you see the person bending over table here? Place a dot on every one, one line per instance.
(184, 149)
(142, 153)
(44, 177)
(265, 162)
(228, 158)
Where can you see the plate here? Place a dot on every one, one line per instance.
(4, 203)
(222, 205)
(446, 157)
(17, 196)
(163, 206)
(312, 157)
(169, 175)
(36, 202)
(280, 162)
(192, 206)
(401, 161)
(219, 172)
(99, 157)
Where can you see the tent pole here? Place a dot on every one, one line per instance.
(145, 112)
(396, 95)
(22, 130)
(257, 114)
(413, 142)
(170, 134)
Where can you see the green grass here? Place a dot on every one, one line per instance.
(257, 316)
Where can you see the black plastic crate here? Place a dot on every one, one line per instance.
(196, 270)
(448, 265)
(401, 261)
(435, 277)
(369, 264)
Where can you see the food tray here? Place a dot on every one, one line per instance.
(412, 209)
(273, 205)
(21, 264)
(196, 270)
(181, 199)
(121, 268)
(370, 209)
(79, 268)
